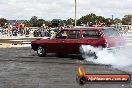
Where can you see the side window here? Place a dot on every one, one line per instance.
(73, 34)
(111, 33)
(91, 34)
(62, 34)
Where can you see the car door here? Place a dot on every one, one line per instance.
(70, 45)
(61, 40)
(49, 44)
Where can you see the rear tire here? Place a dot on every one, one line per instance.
(81, 57)
(93, 54)
(89, 54)
(41, 51)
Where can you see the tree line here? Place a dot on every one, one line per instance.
(35, 22)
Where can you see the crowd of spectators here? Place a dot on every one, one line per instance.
(16, 30)
(44, 31)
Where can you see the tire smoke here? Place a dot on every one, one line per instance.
(121, 59)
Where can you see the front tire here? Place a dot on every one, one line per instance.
(41, 51)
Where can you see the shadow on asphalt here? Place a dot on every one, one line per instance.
(56, 56)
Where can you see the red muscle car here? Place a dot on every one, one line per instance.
(69, 40)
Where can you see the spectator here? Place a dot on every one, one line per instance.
(109, 23)
(35, 33)
(42, 33)
(100, 24)
(91, 24)
(0, 33)
(47, 34)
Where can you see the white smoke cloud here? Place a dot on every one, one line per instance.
(121, 59)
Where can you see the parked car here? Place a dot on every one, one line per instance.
(69, 40)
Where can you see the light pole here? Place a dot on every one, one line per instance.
(75, 13)
(112, 17)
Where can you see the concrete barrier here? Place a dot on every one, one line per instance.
(18, 42)
(8, 45)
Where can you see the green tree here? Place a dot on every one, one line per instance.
(33, 19)
(35, 22)
(39, 22)
(70, 21)
(46, 22)
(117, 20)
(126, 19)
(90, 18)
(2, 22)
(28, 24)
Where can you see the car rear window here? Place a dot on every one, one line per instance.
(111, 32)
(91, 34)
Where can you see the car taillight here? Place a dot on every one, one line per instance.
(106, 43)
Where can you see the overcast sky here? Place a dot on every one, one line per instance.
(63, 9)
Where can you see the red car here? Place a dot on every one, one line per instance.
(69, 40)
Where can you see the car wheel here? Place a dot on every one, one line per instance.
(81, 57)
(41, 51)
(89, 54)
(92, 54)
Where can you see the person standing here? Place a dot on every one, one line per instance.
(0, 33)
(109, 23)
